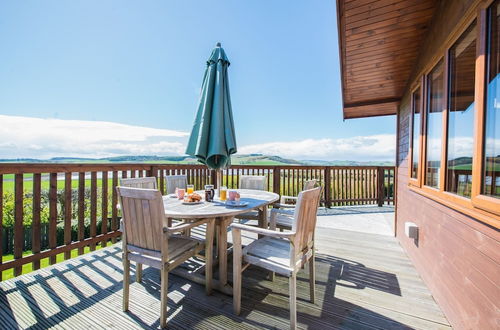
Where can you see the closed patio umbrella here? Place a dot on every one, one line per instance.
(212, 139)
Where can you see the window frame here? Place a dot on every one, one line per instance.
(417, 182)
(479, 200)
(481, 207)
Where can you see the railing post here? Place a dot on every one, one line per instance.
(328, 187)
(276, 179)
(380, 186)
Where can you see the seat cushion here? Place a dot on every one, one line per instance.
(177, 245)
(270, 253)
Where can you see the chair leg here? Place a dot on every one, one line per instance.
(312, 279)
(271, 276)
(293, 301)
(164, 296)
(237, 259)
(126, 282)
(138, 273)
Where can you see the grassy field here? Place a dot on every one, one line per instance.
(43, 262)
(8, 185)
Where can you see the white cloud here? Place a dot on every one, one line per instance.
(44, 138)
(27, 137)
(361, 148)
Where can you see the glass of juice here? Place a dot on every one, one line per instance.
(223, 193)
(190, 189)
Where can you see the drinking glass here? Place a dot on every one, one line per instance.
(190, 189)
(223, 193)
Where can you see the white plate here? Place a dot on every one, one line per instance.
(172, 195)
(192, 203)
(236, 204)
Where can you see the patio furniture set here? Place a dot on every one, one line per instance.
(157, 232)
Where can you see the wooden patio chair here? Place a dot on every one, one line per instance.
(254, 182)
(149, 240)
(282, 252)
(285, 200)
(283, 215)
(145, 183)
(175, 181)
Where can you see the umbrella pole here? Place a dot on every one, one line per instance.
(219, 182)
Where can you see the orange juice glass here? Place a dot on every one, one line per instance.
(223, 193)
(190, 189)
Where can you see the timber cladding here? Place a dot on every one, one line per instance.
(457, 256)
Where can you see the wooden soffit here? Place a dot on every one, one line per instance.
(379, 41)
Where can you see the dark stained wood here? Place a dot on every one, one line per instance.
(60, 249)
(104, 206)
(67, 213)
(81, 209)
(114, 203)
(52, 215)
(1, 223)
(36, 226)
(93, 206)
(18, 221)
(379, 42)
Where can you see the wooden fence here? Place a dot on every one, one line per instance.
(74, 199)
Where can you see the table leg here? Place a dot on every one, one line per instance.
(263, 221)
(222, 235)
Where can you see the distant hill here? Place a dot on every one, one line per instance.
(250, 159)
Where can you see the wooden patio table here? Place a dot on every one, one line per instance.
(224, 215)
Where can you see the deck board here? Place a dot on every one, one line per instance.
(364, 281)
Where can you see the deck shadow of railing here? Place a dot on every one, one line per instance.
(333, 312)
(259, 294)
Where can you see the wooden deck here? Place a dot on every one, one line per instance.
(364, 281)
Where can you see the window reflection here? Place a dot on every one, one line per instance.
(416, 132)
(491, 184)
(434, 114)
(462, 60)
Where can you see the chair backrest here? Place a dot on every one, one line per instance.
(304, 222)
(143, 217)
(175, 181)
(256, 182)
(309, 184)
(145, 183)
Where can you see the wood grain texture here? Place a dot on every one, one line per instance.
(379, 42)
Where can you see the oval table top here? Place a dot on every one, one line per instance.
(174, 208)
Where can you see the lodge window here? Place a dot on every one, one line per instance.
(434, 125)
(462, 63)
(455, 120)
(415, 137)
(491, 176)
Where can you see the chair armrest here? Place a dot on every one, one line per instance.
(283, 199)
(186, 225)
(283, 206)
(262, 231)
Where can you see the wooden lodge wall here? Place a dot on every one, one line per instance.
(457, 256)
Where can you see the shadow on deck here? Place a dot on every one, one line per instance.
(364, 281)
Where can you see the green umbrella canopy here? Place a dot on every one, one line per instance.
(212, 139)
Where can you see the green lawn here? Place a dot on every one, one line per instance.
(43, 262)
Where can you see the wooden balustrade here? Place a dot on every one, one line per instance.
(52, 209)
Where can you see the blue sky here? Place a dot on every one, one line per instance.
(141, 63)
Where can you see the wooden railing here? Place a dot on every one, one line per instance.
(56, 209)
